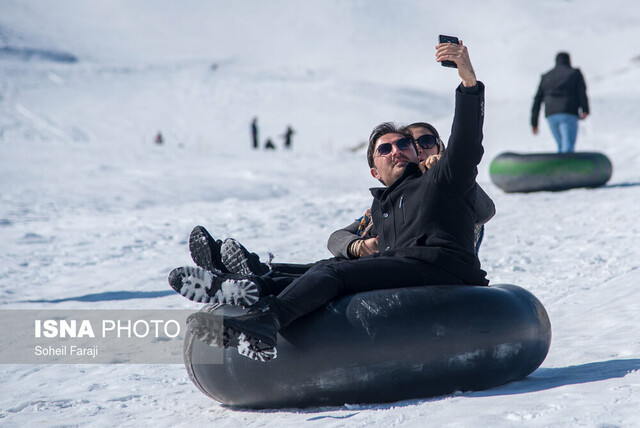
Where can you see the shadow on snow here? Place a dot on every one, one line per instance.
(622, 185)
(109, 295)
(30, 54)
(543, 378)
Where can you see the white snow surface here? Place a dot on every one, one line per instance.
(89, 205)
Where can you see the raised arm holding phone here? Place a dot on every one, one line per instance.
(424, 223)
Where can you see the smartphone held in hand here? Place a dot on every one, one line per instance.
(448, 39)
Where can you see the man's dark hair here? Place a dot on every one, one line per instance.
(384, 129)
(563, 58)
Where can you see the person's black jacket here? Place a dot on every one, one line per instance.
(339, 241)
(563, 90)
(430, 216)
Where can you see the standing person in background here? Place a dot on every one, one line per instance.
(564, 93)
(287, 137)
(254, 133)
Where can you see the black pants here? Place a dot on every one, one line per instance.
(282, 274)
(327, 280)
(290, 268)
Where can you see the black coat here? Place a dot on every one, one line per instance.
(563, 90)
(430, 216)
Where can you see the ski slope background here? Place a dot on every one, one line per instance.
(93, 214)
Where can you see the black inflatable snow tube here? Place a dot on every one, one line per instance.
(384, 346)
(513, 172)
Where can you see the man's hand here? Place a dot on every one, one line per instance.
(459, 55)
(369, 246)
(583, 115)
(534, 129)
(429, 162)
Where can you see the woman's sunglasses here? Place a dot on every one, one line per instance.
(427, 141)
(402, 144)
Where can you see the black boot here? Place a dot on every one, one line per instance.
(239, 260)
(254, 333)
(205, 251)
(203, 286)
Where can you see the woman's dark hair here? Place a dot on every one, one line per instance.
(426, 125)
(383, 129)
(431, 129)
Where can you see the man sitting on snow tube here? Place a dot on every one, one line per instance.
(351, 242)
(424, 224)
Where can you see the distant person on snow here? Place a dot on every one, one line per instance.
(434, 247)
(564, 93)
(254, 133)
(269, 145)
(287, 137)
(159, 140)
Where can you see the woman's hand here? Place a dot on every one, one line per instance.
(429, 162)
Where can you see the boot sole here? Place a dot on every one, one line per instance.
(235, 258)
(202, 286)
(210, 329)
(205, 251)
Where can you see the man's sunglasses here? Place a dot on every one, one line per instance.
(402, 144)
(427, 141)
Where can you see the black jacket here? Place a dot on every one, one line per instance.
(430, 216)
(563, 90)
(339, 241)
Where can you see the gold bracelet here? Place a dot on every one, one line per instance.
(356, 248)
(350, 249)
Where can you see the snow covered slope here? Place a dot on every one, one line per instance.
(93, 214)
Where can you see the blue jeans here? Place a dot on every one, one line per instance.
(564, 127)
